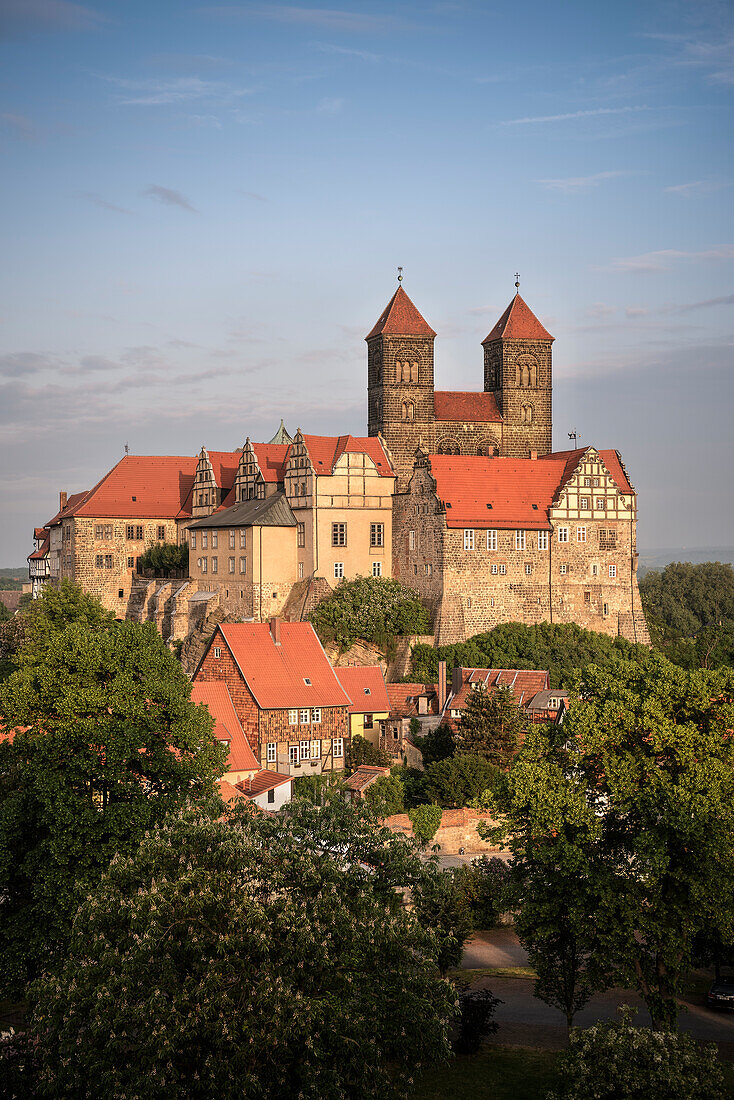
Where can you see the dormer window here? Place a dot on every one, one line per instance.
(306, 681)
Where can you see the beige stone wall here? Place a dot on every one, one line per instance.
(111, 581)
(387, 392)
(467, 438)
(269, 557)
(458, 829)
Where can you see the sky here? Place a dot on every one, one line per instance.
(204, 206)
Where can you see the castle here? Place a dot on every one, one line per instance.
(457, 494)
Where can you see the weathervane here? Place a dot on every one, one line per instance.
(517, 283)
(574, 436)
(400, 275)
(127, 448)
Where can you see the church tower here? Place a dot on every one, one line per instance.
(518, 370)
(400, 383)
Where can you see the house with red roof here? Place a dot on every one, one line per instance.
(370, 707)
(286, 696)
(530, 689)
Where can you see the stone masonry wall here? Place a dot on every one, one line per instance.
(458, 829)
(503, 375)
(112, 581)
(387, 394)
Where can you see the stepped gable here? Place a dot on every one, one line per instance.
(467, 407)
(518, 322)
(273, 511)
(325, 450)
(400, 318)
(215, 695)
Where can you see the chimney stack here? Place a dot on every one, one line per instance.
(62, 501)
(275, 629)
(441, 686)
(533, 455)
(457, 679)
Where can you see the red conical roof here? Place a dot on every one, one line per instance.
(518, 322)
(401, 318)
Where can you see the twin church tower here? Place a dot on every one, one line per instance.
(511, 417)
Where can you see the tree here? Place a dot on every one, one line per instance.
(459, 779)
(386, 795)
(107, 744)
(491, 725)
(485, 883)
(438, 744)
(376, 609)
(623, 825)
(247, 957)
(362, 751)
(166, 557)
(425, 821)
(442, 907)
(690, 611)
(614, 1059)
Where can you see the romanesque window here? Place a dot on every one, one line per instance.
(414, 372)
(526, 414)
(488, 449)
(526, 372)
(449, 447)
(408, 410)
(542, 540)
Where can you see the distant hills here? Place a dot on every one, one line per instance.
(659, 558)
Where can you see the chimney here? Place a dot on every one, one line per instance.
(533, 455)
(457, 679)
(441, 686)
(62, 501)
(275, 629)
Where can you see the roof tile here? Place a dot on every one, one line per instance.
(401, 318)
(476, 407)
(518, 322)
(365, 686)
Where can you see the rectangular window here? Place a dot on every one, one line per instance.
(411, 540)
(108, 531)
(563, 569)
(607, 540)
(232, 539)
(272, 753)
(468, 538)
(369, 721)
(491, 540)
(129, 531)
(519, 540)
(606, 608)
(315, 750)
(316, 716)
(243, 540)
(301, 534)
(204, 540)
(376, 568)
(563, 534)
(231, 565)
(161, 532)
(377, 534)
(217, 651)
(338, 534)
(138, 531)
(305, 750)
(292, 717)
(305, 716)
(580, 534)
(542, 540)
(130, 563)
(587, 597)
(594, 570)
(337, 747)
(203, 565)
(99, 561)
(503, 569)
(192, 539)
(584, 502)
(300, 570)
(271, 795)
(215, 565)
(612, 570)
(215, 540)
(587, 482)
(338, 570)
(528, 569)
(494, 568)
(243, 565)
(293, 755)
(600, 504)
(428, 568)
(99, 531)
(108, 561)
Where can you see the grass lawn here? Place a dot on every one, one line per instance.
(466, 978)
(497, 1073)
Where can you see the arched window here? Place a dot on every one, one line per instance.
(408, 410)
(526, 414)
(406, 372)
(488, 448)
(449, 447)
(398, 372)
(414, 372)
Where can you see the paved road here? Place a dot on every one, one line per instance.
(526, 1021)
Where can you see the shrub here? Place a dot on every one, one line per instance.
(613, 1060)
(166, 557)
(458, 780)
(425, 821)
(485, 884)
(438, 744)
(375, 609)
(362, 751)
(475, 1024)
(387, 795)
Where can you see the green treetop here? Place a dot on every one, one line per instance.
(490, 725)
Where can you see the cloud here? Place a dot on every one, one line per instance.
(17, 364)
(572, 184)
(169, 197)
(210, 122)
(696, 187)
(345, 51)
(715, 55)
(20, 17)
(157, 92)
(636, 311)
(92, 196)
(662, 260)
(253, 195)
(20, 125)
(573, 115)
(599, 310)
(330, 19)
(329, 106)
(680, 309)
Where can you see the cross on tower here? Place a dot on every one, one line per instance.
(517, 283)
(400, 275)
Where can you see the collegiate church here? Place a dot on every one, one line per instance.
(456, 494)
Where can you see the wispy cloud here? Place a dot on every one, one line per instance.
(594, 113)
(254, 195)
(91, 196)
(329, 105)
(712, 51)
(169, 197)
(156, 92)
(680, 309)
(330, 19)
(20, 126)
(20, 17)
(695, 187)
(571, 185)
(662, 260)
(600, 310)
(345, 51)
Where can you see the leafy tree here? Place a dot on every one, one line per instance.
(561, 648)
(5, 614)
(375, 609)
(387, 795)
(459, 779)
(477, 1007)
(412, 781)
(612, 1060)
(28, 635)
(485, 884)
(491, 725)
(438, 744)
(442, 907)
(166, 557)
(234, 958)
(625, 821)
(425, 821)
(362, 751)
(690, 611)
(107, 743)
(319, 789)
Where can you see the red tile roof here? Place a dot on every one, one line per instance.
(365, 686)
(215, 695)
(41, 551)
(39, 533)
(476, 407)
(403, 699)
(69, 508)
(518, 322)
(224, 465)
(276, 674)
(261, 782)
(326, 450)
(228, 792)
(401, 318)
(523, 683)
(271, 458)
(365, 776)
(159, 484)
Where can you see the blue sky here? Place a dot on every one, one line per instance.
(204, 206)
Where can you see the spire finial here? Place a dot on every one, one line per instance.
(517, 283)
(400, 275)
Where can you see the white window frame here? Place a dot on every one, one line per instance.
(377, 534)
(520, 540)
(612, 570)
(293, 717)
(411, 540)
(491, 540)
(232, 538)
(305, 716)
(294, 756)
(338, 570)
(542, 540)
(376, 568)
(217, 651)
(563, 533)
(315, 750)
(272, 752)
(503, 569)
(305, 747)
(581, 534)
(468, 538)
(495, 569)
(528, 569)
(316, 716)
(300, 570)
(337, 747)
(584, 504)
(563, 569)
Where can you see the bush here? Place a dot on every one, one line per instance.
(615, 1060)
(440, 907)
(362, 751)
(375, 609)
(485, 884)
(425, 821)
(475, 1024)
(438, 744)
(458, 780)
(166, 557)
(386, 795)
(412, 781)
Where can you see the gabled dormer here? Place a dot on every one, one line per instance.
(249, 482)
(205, 491)
(595, 487)
(299, 474)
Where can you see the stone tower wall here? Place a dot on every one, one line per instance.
(388, 392)
(520, 374)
